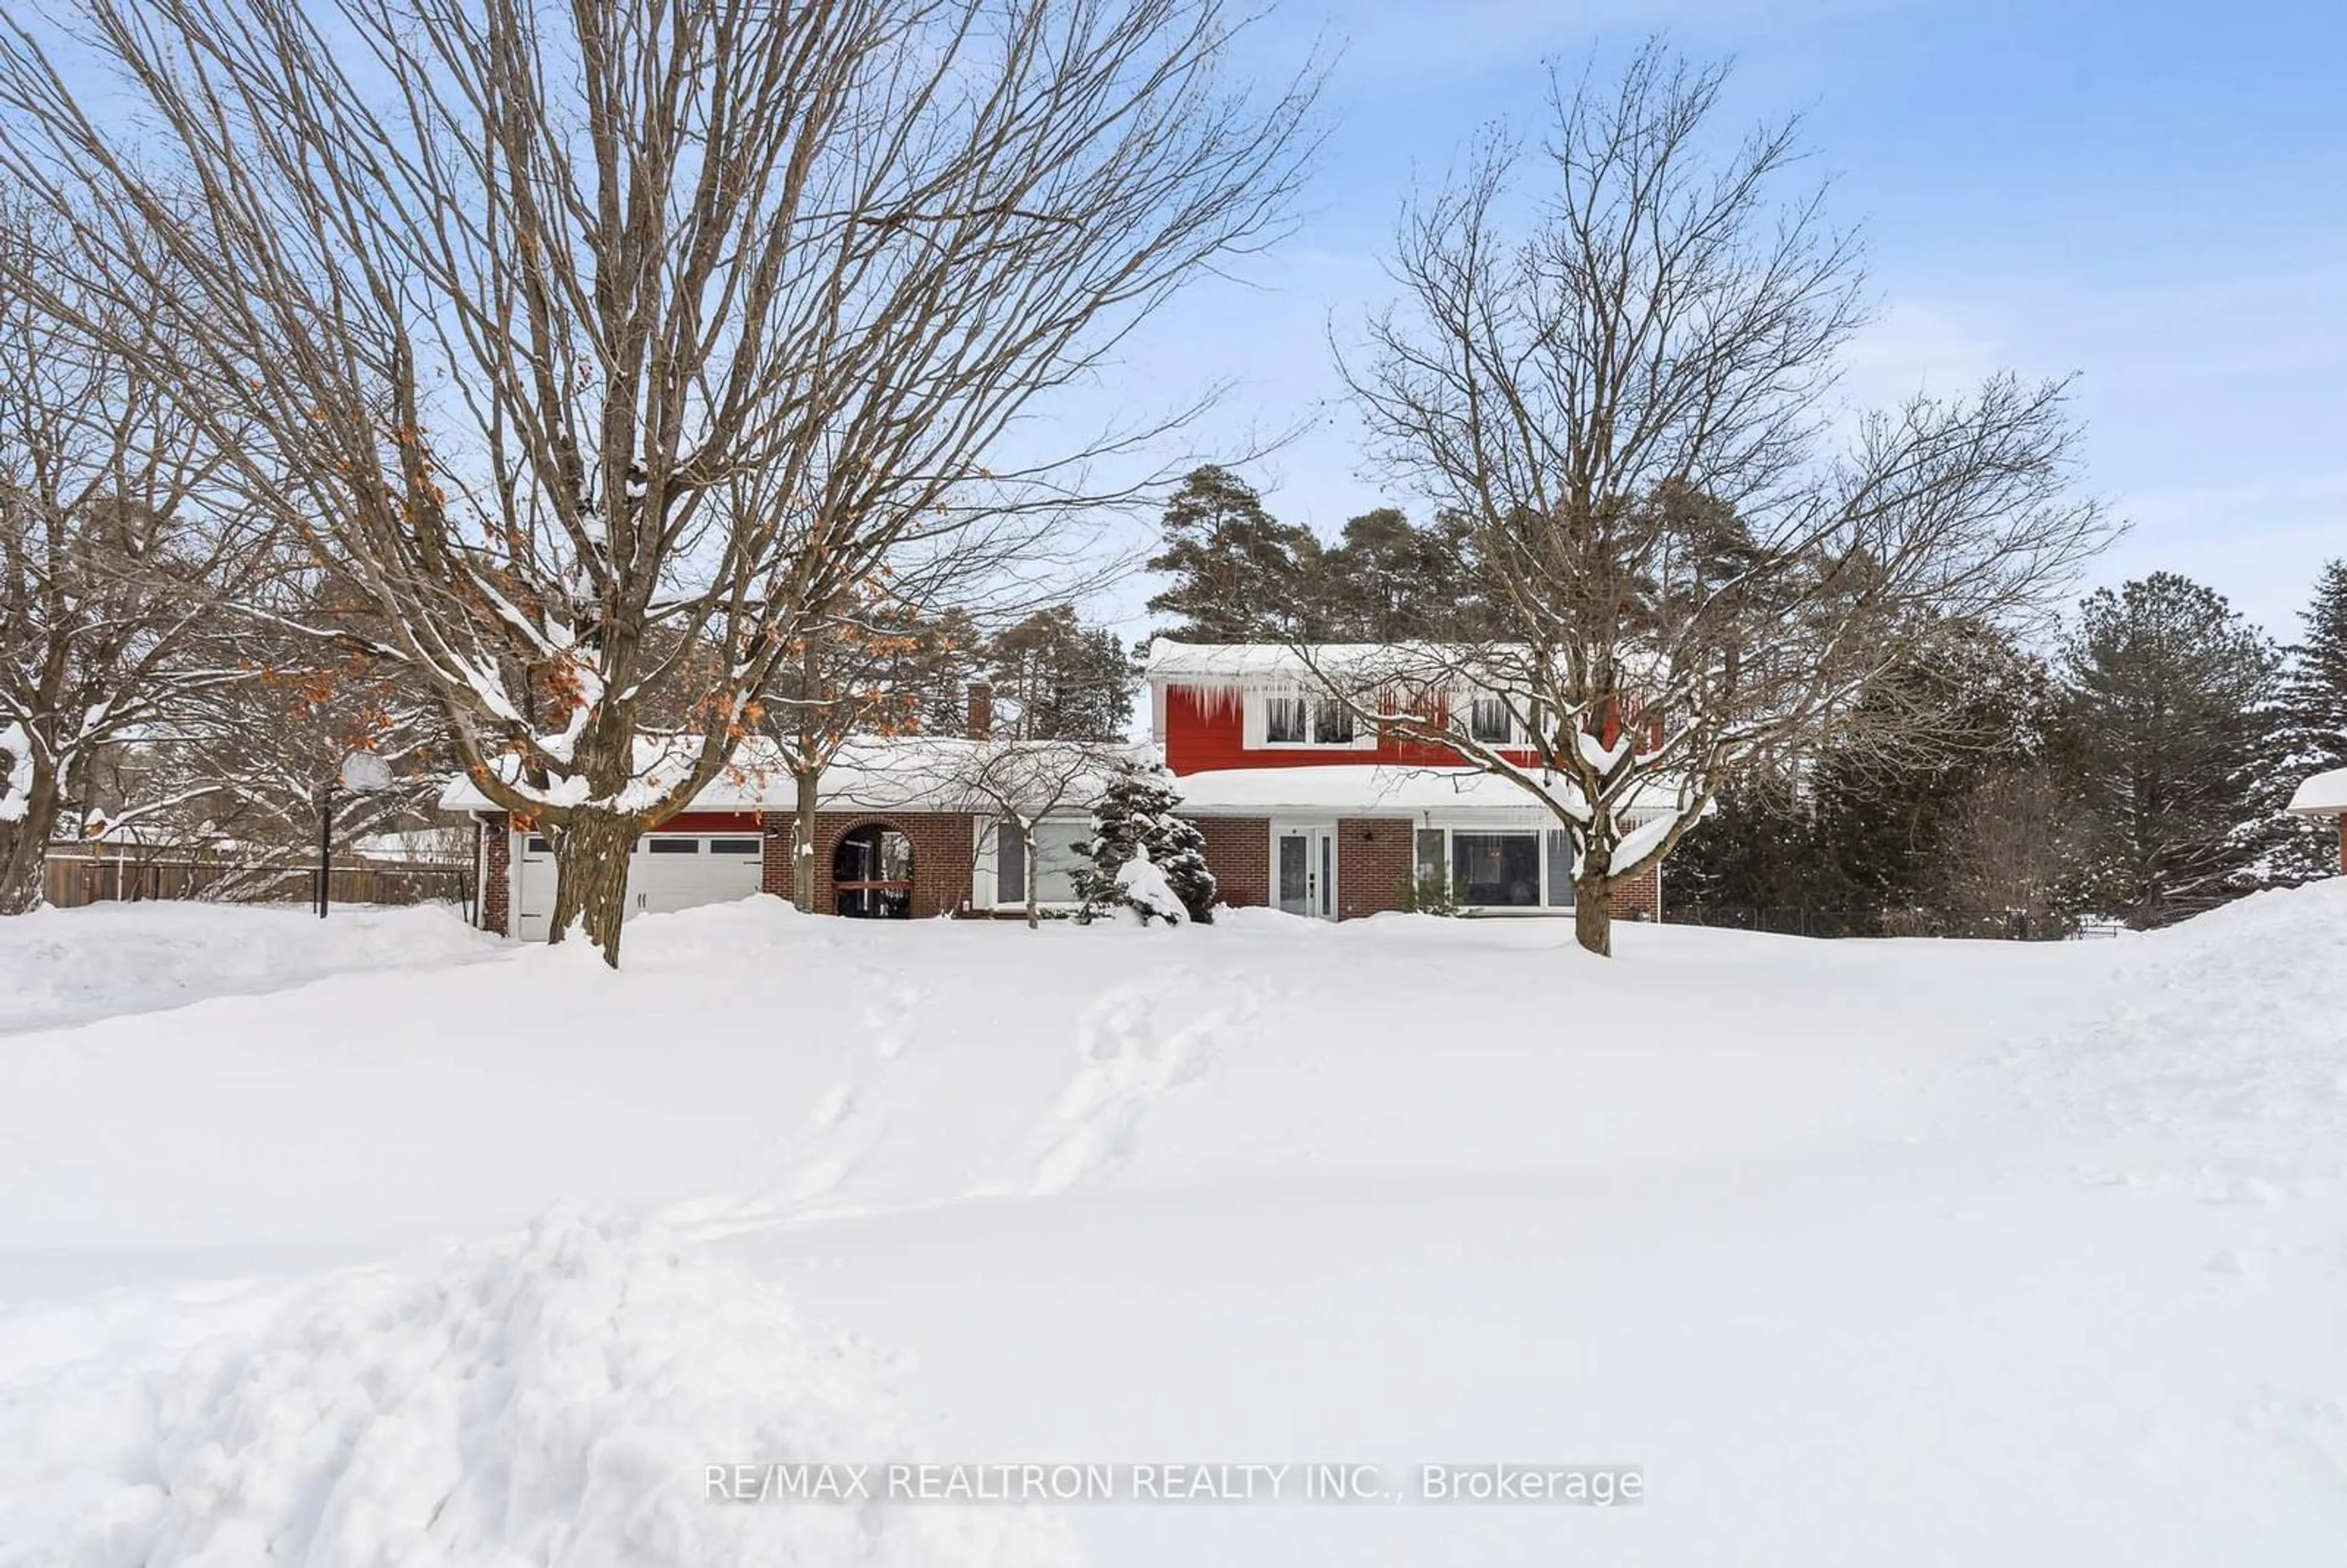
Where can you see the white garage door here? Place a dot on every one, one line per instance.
(668, 871)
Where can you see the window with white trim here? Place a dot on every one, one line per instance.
(1305, 719)
(1489, 721)
(1284, 720)
(1496, 870)
(1059, 853)
(1500, 868)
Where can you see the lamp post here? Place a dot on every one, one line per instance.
(360, 772)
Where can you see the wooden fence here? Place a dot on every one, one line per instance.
(73, 879)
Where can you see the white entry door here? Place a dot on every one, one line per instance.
(1303, 871)
(534, 888)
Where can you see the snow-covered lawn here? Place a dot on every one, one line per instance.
(62, 965)
(1867, 1252)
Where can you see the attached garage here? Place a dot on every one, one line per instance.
(685, 864)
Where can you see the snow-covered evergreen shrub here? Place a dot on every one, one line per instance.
(1430, 893)
(1135, 817)
(1146, 891)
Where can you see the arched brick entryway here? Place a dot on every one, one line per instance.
(941, 852)
(872, 866)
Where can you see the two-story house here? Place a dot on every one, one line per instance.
(1315, 810)
(1304, 807)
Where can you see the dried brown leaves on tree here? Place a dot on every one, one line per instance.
(602, 346)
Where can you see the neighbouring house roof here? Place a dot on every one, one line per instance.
(411, 844)
(903, 773)
(1374, 789)
(2324, 795)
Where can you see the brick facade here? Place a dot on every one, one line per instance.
(944, 851)
(496, 884)
(1641, 897)
(1238, 852)
(1374, 859)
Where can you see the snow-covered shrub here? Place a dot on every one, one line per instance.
(1146, 892)
(1135, 817)
(1430, 893)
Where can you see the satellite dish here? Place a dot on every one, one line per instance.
(364, 771)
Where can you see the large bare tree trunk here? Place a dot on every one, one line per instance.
(1593, 910)
(24, 846)
(808, 781)
(590, 864)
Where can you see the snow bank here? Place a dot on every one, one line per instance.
(2230, 1037)
(552, 1399)
(65, 966)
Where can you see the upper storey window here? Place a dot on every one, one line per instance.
(1298, 720)
(1286, 720)
(1489, 721)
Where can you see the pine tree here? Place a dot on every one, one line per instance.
(1137, 814)
(2167, 693)
(2312, 733)
(1863, 836)
(1239, 574)
(1390, 580)
(1057, 679)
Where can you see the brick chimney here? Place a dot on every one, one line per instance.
(981, 710)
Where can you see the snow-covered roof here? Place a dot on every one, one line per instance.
(899, 774)
(1226, 662)
(2324, 795)
(1367, 787)
(413, 843)
(659, 760)
(1230, 666)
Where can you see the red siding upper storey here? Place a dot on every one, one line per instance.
(1205, 731)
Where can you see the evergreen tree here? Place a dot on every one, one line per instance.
(1390, 580)
(1885, 822)
(1863, 835)
(1759, 849)
(2168, 693)
(1057, 679)
(1239, 574)
(2312, 733)
(1136, 814)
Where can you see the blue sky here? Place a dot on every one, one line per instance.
(2152, 196)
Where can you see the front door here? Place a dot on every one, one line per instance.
(1303, 871)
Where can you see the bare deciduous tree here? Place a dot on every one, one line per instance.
(118, 551)
(2017, 848)
(1019, 782)
(605, 346)
(1629, 408)
(867, 667)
